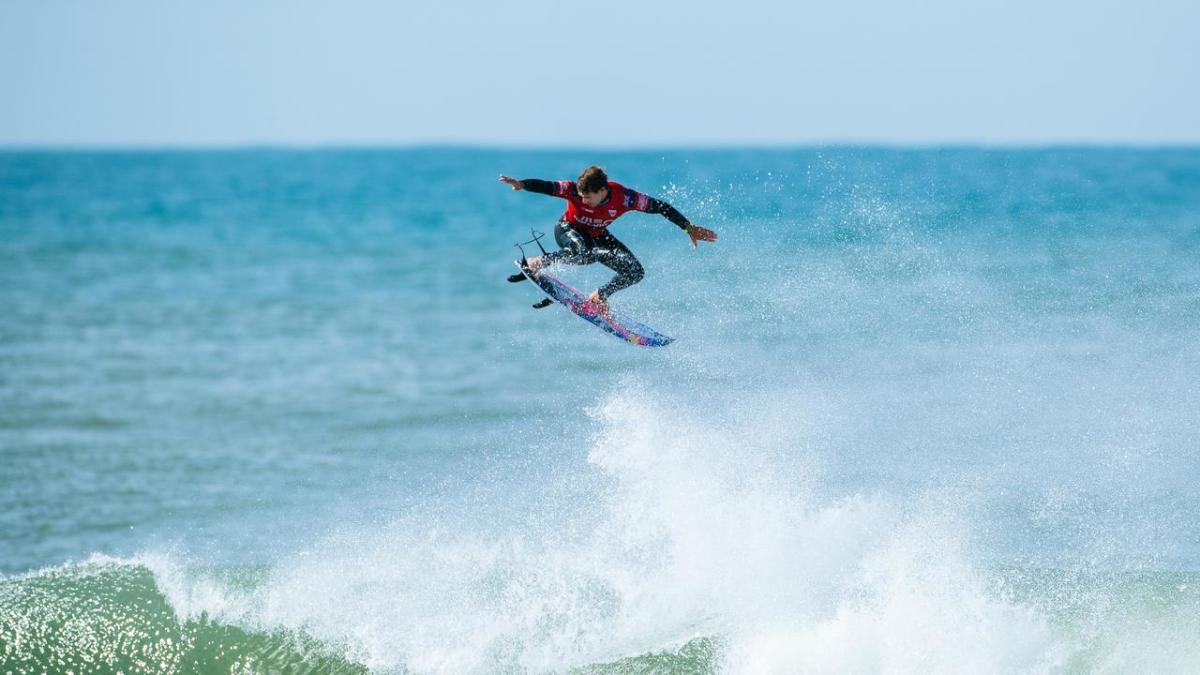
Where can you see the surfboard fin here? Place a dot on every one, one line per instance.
(543, 303)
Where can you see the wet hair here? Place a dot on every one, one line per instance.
(593, 179)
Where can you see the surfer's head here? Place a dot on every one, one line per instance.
(592, 185)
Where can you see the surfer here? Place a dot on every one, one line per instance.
(593, 203)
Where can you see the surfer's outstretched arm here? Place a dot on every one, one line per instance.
(696, 233)
(545, 187)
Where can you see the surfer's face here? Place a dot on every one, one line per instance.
(594, 198)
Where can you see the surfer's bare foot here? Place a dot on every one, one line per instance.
(599, 304)
(533, 265)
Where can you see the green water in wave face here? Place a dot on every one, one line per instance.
(111, 618)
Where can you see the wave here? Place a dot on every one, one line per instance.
(109, 615)
(691, 544)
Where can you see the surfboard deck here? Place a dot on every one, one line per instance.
(613, 322)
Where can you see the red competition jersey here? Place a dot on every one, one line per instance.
(592, 221)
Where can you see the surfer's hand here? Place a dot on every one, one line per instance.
(511, 182)
(698, 234)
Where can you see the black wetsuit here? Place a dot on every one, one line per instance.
(582, 244)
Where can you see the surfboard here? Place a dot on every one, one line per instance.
(613, 322)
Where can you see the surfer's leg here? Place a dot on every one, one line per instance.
(611, 253)
(575, 248)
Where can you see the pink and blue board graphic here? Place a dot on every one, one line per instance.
(613, 322)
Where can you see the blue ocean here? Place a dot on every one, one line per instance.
(927, 410)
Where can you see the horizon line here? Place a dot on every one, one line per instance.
(335, 146)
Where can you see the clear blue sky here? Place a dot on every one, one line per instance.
(615, 73)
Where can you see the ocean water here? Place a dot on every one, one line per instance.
(927, 411)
